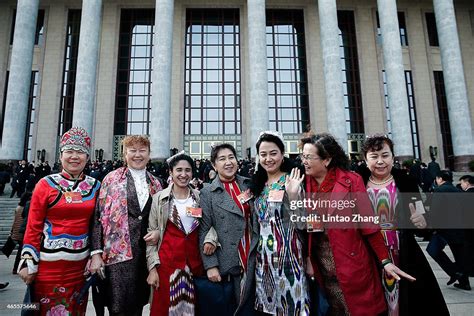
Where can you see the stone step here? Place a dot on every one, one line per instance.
(7, 214)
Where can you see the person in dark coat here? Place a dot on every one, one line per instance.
(426, 179)
(433, 167)
(19, 181)
(424, 295)
(467, 185)
(415, 171)
(4, 179)
(452, 237)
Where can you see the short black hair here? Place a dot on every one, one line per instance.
(375, 143)
(467, 178)
(215, 151)
(174, 161)
(446, 175)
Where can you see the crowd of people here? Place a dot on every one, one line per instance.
(227, 237)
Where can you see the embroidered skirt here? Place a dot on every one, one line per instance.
(57, 287)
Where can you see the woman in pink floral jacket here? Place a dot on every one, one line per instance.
(119, 234)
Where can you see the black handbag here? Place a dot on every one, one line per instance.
(10, 244)
(215, 298)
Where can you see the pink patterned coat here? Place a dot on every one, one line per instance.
(113, 210)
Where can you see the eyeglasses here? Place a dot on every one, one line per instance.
(309, 157)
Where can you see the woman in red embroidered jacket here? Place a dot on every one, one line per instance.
(340, 257)
(120, 229)
(56, 242)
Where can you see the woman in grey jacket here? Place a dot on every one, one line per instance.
(226, 206)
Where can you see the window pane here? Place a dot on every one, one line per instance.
(284, 69)
(135, 63)
(219, 82)
(350, 73)
(69, 71)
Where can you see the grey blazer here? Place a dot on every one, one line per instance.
(220, 211)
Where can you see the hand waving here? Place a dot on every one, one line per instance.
(293, 183)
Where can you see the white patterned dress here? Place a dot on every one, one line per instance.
(282, 288)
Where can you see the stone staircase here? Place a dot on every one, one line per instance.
(7, 214)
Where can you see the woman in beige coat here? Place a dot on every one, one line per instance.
(175, 259)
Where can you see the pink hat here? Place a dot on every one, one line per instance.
(76, 139)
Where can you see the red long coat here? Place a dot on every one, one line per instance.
(356, 268)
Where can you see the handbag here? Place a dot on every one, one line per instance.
(8, 247)
(215, 298)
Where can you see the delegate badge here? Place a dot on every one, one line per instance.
(73, 197)
(276, 196)
(194, 211)
(244, 197)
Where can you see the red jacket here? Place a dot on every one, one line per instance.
(356, 267)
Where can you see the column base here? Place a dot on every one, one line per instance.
(461, 163)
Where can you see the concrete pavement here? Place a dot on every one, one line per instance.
(460, 303)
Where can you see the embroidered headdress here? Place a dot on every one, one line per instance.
(76, 139)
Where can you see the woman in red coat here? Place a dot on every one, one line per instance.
(56, 243)
(341, 257)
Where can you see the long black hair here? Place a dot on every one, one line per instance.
(260, 177)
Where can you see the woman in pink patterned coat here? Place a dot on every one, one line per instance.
(119, 234)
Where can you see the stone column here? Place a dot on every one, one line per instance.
(16, 111)
(258, 77)
(84, 95)
(396, 87)
(332, 71)
(161, 78)
(456, 93)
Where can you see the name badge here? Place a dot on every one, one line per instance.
(276, 196)
(244, 197)
(194, 211)
(73, 197)
(315, 226)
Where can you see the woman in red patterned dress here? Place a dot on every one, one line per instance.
(56, 243)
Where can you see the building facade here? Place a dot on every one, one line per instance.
(190, 73)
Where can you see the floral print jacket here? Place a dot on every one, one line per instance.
(110, 232)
